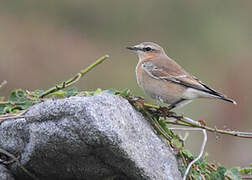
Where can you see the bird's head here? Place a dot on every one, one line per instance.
(147, 50)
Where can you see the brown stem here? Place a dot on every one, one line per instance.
(17, 161)
(188, 122)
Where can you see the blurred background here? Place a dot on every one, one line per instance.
(45, 42)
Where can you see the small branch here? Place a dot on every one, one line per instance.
(186, 129)
(185, 121)
(17, 161)
(2, 118)
(247, 177)
(201, 149)
(202, 146)
(190, 122)
(150, 106)
(157, 126)
(3, 84)
(75, 78)
(14, 116)
(11, 103)
(200, 154)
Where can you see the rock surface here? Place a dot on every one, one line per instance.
(91, 138)
(5, 174)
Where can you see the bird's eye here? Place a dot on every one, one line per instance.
(147, 49)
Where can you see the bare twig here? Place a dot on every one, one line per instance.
(14, 116)
(17, 161)
(157, 126)
(189, 122)
(74, 79)
(193, 125)
(201, 149)
(3, 84)
(11, 103)
(186, 129)
(247, 177)
(185, 121)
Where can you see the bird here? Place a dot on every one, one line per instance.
(164, 80)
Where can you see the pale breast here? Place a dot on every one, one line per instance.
(157, 89)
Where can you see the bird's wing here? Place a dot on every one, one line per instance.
(169, 70)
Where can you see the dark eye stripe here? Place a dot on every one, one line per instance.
(147, 49)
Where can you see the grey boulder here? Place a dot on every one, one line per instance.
(97, 137)
(5, 174)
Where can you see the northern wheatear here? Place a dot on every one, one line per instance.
(164, 80)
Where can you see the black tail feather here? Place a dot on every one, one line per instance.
(227, 99)
(221, 96)
(205, 89)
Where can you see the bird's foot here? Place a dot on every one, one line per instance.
(137, 101)
(166, 111)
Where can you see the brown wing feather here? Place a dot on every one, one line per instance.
(167, 69)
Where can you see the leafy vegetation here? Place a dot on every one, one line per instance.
(19, 100)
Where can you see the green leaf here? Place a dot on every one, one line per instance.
(59, 94)
(221, 171)
(164, 126)
(187, 153)
(90, 93)
(18, 95)
(72, 92)
(219, 174)
(111, 91)
(182, 170)
(125, 93)
(2, 109)
(37, 93)
(196, 177)
(207, 176)
(246, 171)
(202, 165)
(7, 109)
(97, 91)
(86, 93)
(27, 104)
(215, 175)
(233, 174)
(176, 142)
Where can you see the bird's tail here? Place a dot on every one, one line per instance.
(217, 94)
(227, 99)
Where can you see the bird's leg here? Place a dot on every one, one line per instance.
(171, 106)
(175, 104)
(164, 111)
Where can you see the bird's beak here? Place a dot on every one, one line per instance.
(134, 48)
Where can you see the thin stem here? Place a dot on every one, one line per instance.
(186, 129)
(150, 106)
(201, 149)
(188, 122)
(11, 103)
(157, 125)
(247, 177)
(75, 78)
(191, 123)
(215, 130)
(3, 84)
(17, 161)
(177, 123)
